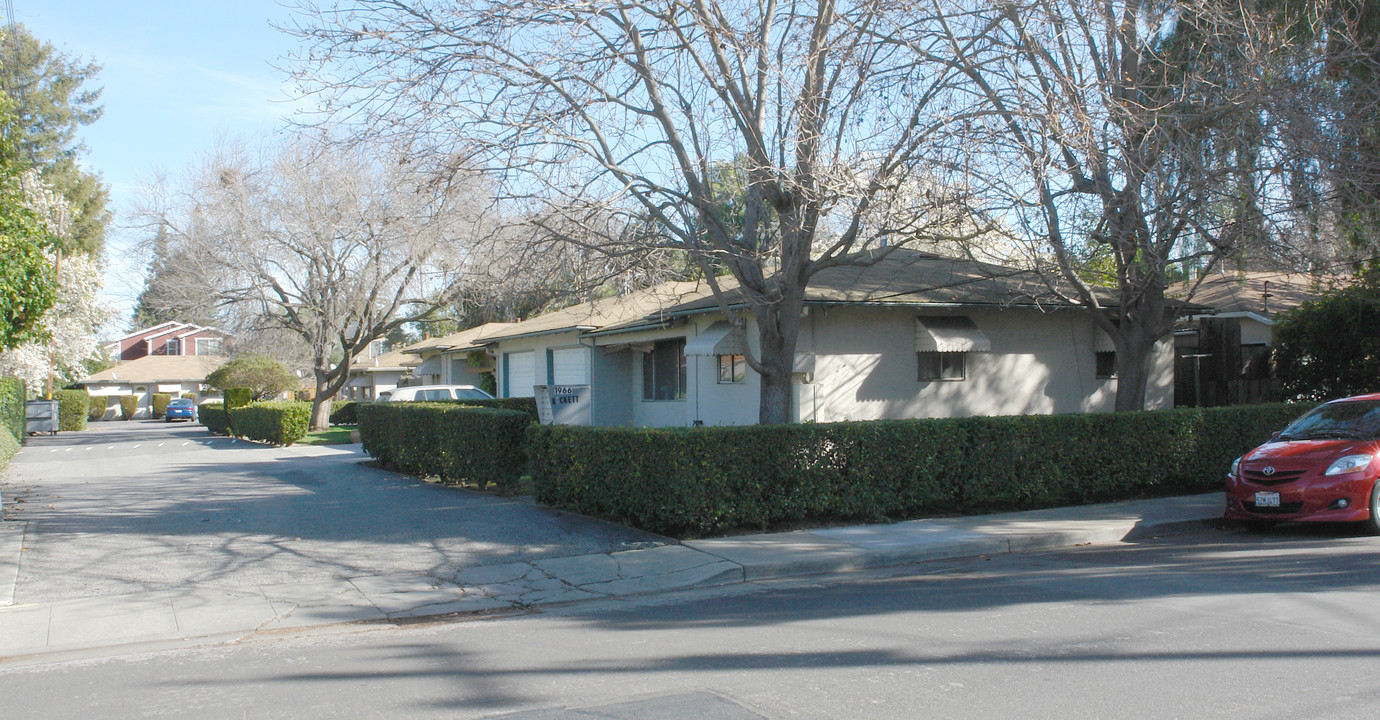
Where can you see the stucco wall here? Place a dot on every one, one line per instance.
(1040, 363)
(865, 369)
(1254, 332)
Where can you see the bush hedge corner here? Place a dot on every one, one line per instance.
(129, 405)
(214, 417)
(99, 404)
(343, 413)
(160, 404)
(451, 441)
(74, 407)
(280, 422)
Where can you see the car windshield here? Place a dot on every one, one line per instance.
(1352, 420)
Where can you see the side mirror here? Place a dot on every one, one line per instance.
(1274, 435)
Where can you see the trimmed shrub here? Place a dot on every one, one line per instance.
(523, 405)
(12, 397)
(73, 408)
(236, 398)
(343, 413)
(280, 422)
(160, 404)
(99, 404)
(129, 404)
(702, 481)
(214, 417)
(447, 440)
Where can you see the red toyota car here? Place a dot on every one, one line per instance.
(1321, 468)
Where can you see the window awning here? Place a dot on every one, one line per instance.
(360, 381)
(430, 366)
(955, 333)
(1102, 342)
(804, 363)
(717, 339)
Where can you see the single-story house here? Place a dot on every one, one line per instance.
(913, 335)
(380, 373)
(1222, 356)
(142, 377)
(169, 338)
(460, 358)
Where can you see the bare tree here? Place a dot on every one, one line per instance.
(336, 246)
(1127, 140)
(622, 114)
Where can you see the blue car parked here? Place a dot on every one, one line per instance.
(180, 409)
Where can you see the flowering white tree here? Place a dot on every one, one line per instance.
(69, 327)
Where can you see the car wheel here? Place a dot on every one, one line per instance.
(1373, 524)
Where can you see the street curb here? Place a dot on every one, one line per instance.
(387, 601)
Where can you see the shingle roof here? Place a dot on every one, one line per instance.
(158, 368)
(902, 277)
(608, 311)
(1261, 293)
(463, 340)
(389, 361)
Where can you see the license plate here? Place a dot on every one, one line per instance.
(1267, 499)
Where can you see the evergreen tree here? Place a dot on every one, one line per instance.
(51, 101)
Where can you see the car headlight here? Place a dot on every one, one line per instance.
(1349, 464)
(1234, 465)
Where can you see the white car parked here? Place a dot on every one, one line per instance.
(431, 393)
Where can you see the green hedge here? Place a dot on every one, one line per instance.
(9, 445)
(448, 440)
(523, 405)
(702, 481)
(214, 417)
(12, 397)
(236, 398)
(281, 422)
(343, 413)
(160, 404)
(73, 408)
(129, 404)
(99, 404)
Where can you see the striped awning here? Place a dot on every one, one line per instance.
(430, 366)
(949, 333)
(718, 339)
(1102, 342)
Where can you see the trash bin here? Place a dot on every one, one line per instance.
(41, 416)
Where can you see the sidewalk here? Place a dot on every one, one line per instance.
(203, 614)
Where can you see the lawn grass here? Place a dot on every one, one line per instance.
(339, 435)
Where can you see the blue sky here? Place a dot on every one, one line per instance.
(177, 76)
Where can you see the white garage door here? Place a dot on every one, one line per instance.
(569, 366)
(520, 374)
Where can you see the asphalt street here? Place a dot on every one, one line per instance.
(1221, 623)
(134, 506)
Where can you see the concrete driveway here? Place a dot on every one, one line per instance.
(126, 507)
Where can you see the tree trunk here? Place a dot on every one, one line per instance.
(1135, 349)
(775, 400)
(1132, 373)
(321, 404)
(778, 329)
